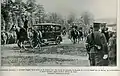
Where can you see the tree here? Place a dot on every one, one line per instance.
(40, 13)
(54, 18)
(2, 23)
(87, 18)
(71, 19)
(6, 9)
(31, 7)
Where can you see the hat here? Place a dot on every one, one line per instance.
(96, 25)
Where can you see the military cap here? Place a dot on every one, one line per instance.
(96, 25)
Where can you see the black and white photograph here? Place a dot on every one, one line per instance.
(59, 33)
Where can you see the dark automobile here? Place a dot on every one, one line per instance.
(51, 32)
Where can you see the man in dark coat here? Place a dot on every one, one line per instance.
(96, 46)
(107, 34)
(26, 23)
(105, 31)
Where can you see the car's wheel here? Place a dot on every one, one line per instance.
(58, 40)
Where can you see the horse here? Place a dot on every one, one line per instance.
(21, 35)
(11, 38)
(4, 38)
(74, 35)
(80, 36)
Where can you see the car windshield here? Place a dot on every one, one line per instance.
(48, 28)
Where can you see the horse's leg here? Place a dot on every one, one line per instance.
(23, 45)
(73, 40)
(81, 38)
(5, 41)
(78, 39)
(19, 44)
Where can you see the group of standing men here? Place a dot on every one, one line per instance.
(101, 46)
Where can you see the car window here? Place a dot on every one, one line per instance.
(58, 28)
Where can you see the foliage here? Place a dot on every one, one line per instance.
(87, 18)
(71, 19)
(37, 12)
(31, 5)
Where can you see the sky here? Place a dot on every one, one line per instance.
(99, 8)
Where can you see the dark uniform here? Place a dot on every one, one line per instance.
(106, 33)
(26, 24)
(97, 47)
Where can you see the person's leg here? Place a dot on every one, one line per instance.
(78, 39)
(110, 62)
(92, 59)
(23, 44)
(19, 43)
(99, 61)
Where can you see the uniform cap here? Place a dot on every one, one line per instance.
(103, 24)
(96, 25)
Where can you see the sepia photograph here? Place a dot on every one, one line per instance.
(59, 33)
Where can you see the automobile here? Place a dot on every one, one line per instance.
(51, 32)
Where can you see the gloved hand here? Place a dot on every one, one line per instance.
(105, 56)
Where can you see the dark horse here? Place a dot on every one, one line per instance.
(21, 36)
(74, 35)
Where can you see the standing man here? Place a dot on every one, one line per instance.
(104, 30)
(26, 26)
(26, 23)
(96, 46)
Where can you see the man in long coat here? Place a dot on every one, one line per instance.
(96, 46)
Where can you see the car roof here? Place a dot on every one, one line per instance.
(45, 24)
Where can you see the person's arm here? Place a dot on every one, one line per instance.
(87, 45)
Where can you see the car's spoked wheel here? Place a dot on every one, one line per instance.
(57, 41)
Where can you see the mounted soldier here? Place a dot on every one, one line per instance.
(80, 34)
(74, 34)
(96, 45)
